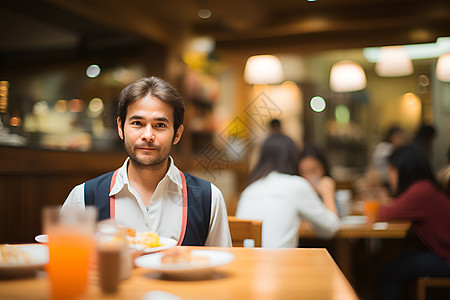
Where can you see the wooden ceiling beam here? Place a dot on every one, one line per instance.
(126, 18)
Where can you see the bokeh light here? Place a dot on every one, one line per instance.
(342, 114)
(317, 104)
(96, 107)
(76, 105)
(40, 108)
(15, 121)
(60, 106)
(93, 71)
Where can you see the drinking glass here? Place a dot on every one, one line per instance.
(71, 246)
(114, 258)
(371, 207)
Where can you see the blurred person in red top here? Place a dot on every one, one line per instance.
(422, 201)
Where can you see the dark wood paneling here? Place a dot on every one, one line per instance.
(31, 179)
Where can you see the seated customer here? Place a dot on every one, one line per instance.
(148, 192)
(420, 200)
(314, 168)
(281, 199)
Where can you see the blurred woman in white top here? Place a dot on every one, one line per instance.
(281, 199)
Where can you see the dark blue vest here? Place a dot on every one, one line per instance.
(96, 192)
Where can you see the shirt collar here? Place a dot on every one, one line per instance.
(172, 174)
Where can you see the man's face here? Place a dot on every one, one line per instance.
(148, 132)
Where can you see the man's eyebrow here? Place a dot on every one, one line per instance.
(162, 119)
(136, 117)
(159, 119)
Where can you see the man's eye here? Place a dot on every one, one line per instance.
(160, 125)
(137, 123)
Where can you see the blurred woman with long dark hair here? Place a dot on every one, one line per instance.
(279, 197)
(422, 201)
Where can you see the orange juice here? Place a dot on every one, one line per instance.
(371, 208)
(69, 256)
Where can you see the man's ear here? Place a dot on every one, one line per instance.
(119, 128)
(178, 135)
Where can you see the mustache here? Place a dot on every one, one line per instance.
(149, 145)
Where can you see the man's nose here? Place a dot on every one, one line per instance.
(148, 134)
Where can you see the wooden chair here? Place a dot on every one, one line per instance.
(241, 229)
(424, 282)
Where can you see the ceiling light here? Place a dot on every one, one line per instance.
(263, 69)
(204, 13)
(394, 62)
(347, 76)
(417, 51)
(443, 68)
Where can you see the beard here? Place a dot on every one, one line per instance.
(155, 159)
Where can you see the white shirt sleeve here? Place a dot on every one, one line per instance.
(75, 198)
(219, 231)
(325, 223)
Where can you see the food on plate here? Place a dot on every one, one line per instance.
(131, 232)
(12, 255)
(178, 255)
(144, 239)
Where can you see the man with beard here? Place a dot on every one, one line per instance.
(149, 193)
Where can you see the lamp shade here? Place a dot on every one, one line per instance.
(347, 76)
(263, 69)
(393, 62)
(443, 68)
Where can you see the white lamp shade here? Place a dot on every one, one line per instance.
(393, 62)
(443, 68)
(347, 76)
(263, 69)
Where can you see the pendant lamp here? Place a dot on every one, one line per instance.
(263, 69)
(347, 76)
(443, 68)
(393, 62)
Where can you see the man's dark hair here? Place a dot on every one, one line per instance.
(155, 87)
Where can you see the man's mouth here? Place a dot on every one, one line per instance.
(147, 148)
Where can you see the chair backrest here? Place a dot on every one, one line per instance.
(241, 229)
(437, 282)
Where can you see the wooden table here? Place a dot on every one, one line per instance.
(389, 230)
(255, 273)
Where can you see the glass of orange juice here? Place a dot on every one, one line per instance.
(371, 207)
(71, 246)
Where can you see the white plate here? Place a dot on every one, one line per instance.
(216, 259)
(42, 238)
(39, 258)
(166, 244)
(354, 220)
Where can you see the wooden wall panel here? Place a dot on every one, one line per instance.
(31, 179)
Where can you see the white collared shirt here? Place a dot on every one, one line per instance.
(281, 202)
(164, 214)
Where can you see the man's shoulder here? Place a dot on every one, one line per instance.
(195, 178)
(101, 178)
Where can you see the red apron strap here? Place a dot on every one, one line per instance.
(185, 205)
(112, 198)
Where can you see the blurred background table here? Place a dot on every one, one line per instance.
(348, 232)
(255, 273)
